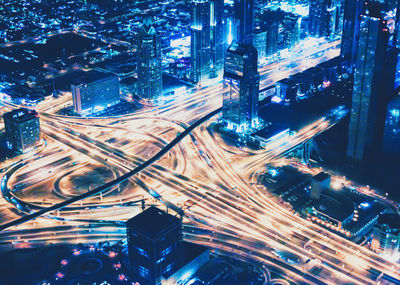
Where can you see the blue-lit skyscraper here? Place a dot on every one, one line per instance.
(351, 30)
(325, 18)
(218, 38)
(244, 16)
(200, 48)
(149, 62)
(22, 129)
(241, 77)
(367, 112)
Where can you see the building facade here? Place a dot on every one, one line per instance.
(241, 77)
(260, 43)
(154, 245)
(218, 37)
(367, 115)
(150, 86)
(94, 91)
(200, 48)
(22, 128)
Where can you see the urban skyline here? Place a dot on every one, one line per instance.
(200, 142)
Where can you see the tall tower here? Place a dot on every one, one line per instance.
(218, 45)
(351, 31)
(200, 48)
(368, 102)
(241, 78)
(325, 18)
(244, 14)
(149, 62)
(154, 245)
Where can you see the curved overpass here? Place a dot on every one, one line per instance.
(118, 180)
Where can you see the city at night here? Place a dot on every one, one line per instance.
(199, 142)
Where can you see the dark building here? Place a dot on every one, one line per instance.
(22, 129)
(368, 102)
(149, 62)
(94, 91)
(154, 244)
(241, 77)
(244, 15)
(286, 89)
(351, 31)
(200, 47)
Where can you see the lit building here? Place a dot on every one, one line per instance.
(260, 43)
(325, 18)
(154, 246)
(366, 124)
(218, 43)
(149, 62)
(291, 30)
(386, 236)
(241, 77)
(272, 28)
(351, 29)
(391, 137)
(200, 48)
(94, 91)
(22, 129)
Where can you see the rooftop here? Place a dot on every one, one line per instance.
(87, 77)
(334, 205)
(390, 220)
(152, 222)
(20, 115)
(322, 176)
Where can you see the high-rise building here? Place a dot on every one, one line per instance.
(94, 91)
(291, 34)
(368, 102)
(324, 18)
(272, 28)
(386, 236)
(260, 43)
(218, 41)
(244, 15)
(241, 77)
(154, 245)
(22, 129)
(149, 62)
(351, 30)
(200, 48)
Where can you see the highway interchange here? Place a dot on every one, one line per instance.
(212, 181)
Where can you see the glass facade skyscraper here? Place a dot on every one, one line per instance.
(240, 102)
(200, 52)
(351, 26)
(22, 129)
(367, 112)
(149, 63)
